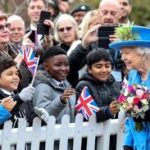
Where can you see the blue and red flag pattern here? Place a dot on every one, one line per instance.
(86, 104)
(28, 55)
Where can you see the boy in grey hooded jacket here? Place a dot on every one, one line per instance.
(52, 90)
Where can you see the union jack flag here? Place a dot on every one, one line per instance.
(28, 55)
(86, 104)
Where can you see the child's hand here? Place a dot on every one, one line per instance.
(27, 93)
(67, 93)
(8, 103)
(114, 107)
(42, 113)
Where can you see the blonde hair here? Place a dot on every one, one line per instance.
(87, 20)
(58, 21)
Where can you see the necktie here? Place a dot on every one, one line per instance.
(61, 84)
(12, 95)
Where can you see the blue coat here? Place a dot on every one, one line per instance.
(139, 140)
(4, 114)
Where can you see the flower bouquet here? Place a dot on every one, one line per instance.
(134, 100)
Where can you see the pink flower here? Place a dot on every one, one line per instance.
(122, 98)
(136, 100)
(145, 96)
(131, 89)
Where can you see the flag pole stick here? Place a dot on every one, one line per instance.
(35, 71)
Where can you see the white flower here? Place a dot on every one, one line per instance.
(139, 93)
(142, 115)
(144, 101)
(145, 108)
(130, 100)
(126, 92)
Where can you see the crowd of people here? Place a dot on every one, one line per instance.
(71, 57)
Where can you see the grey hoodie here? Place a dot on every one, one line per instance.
(47, 95)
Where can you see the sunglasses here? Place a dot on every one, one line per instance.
(2, 27)
(63, 29)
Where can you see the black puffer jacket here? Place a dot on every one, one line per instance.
(102, 92)
(77, 59)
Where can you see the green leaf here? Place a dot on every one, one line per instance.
(124, 33)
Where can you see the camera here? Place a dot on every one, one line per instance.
(41, 27)
(32, 36)
(103, 34)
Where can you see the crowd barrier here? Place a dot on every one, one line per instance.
(62, 132)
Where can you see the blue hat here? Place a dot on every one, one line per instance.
(142, 40)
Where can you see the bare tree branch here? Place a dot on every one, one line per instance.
(14, 3)
(3, 2)
(20, 7)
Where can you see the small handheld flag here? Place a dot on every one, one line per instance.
(28, 55)
(86, 104)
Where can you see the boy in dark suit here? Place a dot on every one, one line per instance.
(9, 81)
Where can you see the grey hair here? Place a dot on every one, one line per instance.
(14, 18)
(144, 51)
(58, 21)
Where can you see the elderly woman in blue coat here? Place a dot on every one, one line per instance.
(134, 44)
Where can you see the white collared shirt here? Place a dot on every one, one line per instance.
(58, 83)
(7, 92)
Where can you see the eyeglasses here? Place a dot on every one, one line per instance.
(2, 27)
(63, 29)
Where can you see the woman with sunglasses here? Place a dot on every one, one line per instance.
(66, 32)
(5, 46)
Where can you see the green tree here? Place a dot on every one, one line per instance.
(140, 13)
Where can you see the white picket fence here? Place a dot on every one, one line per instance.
(61, 132)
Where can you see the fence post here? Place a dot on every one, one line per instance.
(91, 134)
(36, 132)
(77, 132)
(21, 138)
(50, 133)
(6, 134)
(103, 141)
(63, 133)
(121, 119)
